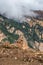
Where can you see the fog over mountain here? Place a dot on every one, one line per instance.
(19, 8)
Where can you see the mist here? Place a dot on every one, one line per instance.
(19, 8)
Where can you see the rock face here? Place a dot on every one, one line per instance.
(41, 47)
(21, 42)
(2, 36)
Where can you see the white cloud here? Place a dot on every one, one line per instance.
(17, 8)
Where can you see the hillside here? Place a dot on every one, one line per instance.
(21, 43)
(31, 30)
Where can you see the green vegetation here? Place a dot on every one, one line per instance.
(31, 36)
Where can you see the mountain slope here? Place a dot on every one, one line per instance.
(12, 29)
